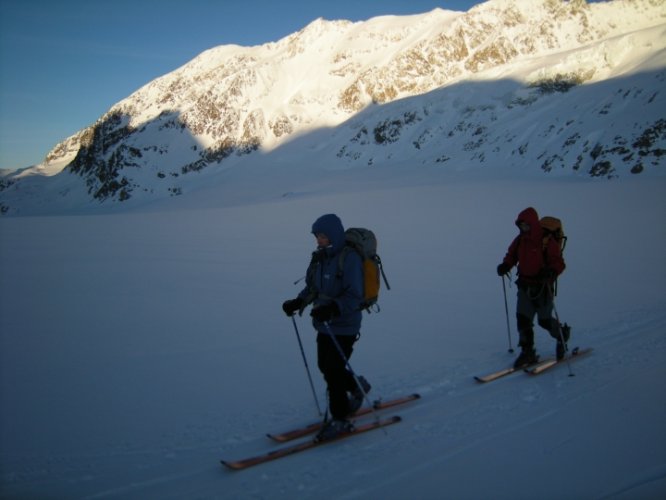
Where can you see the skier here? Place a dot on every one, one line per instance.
(336, 295)
(539, 263)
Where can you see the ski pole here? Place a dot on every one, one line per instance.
(307, 368)
(506, 310)
(559, 329)
(348, 366)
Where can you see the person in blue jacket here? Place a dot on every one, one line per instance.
(334, 287)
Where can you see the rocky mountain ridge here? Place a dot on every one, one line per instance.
(424, 88)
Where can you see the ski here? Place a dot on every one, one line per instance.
(306, 445)
(315, 426)
(552, 362)
(499, 374)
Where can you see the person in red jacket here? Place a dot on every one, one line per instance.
(539, 264)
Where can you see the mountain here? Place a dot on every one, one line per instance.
(528, 85)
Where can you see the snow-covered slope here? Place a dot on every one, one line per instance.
(137, 349)
(535, 85)
(143, 340)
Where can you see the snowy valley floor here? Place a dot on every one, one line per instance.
(137, 349)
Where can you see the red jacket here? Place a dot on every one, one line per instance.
(527, 251)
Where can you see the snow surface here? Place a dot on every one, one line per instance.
(138, 349)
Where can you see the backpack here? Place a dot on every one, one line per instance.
(552, 228)
(364, 242)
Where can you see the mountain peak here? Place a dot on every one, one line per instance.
(386, 78)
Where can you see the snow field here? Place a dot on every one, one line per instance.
(138, 349)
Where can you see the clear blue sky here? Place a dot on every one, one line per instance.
(63, 63)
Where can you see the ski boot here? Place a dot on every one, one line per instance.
(562, 348)
(358, 395)
(333, 429)
(528, 356)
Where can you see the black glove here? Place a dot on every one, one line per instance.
(325, 312)
(503, 269)
(291, 306)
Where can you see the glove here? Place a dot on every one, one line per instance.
(291, 306)
(503, 269)
(324, 313)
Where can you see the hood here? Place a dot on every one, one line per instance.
(331, 226)
(530, 216)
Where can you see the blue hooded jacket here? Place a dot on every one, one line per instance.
(330, 284)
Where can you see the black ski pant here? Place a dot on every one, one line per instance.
(534, 301)
(334, 368)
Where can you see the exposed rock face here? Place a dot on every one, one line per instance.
(234, 100)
